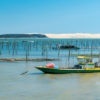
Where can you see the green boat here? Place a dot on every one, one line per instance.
(85, 66)
(65, 71)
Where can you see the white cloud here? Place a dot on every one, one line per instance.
(73, 35)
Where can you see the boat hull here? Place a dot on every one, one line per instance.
(65, 71)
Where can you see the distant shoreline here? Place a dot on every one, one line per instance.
(54, 36)
(23, 36)
(28, 59)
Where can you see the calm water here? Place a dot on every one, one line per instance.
(35, 85)
(48, 48)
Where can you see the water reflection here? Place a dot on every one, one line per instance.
(38, 86)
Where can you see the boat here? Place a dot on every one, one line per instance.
(65, 71)
(68, 47)
(85, 65)
(63, 47)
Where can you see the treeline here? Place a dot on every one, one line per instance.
(23, 36)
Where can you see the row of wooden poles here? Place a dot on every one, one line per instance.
(15, 46)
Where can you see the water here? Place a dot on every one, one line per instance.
(48, 48)
(18, 47)
(35, 85)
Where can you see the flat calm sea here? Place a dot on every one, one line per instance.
(35, 85)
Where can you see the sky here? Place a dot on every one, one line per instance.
(49, 16)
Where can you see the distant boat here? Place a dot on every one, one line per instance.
(66, 47)
(85, 66)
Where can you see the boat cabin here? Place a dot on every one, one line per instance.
(85, 62)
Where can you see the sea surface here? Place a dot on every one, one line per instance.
(34, 85)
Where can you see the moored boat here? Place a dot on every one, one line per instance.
(67, 70)
(85, 65)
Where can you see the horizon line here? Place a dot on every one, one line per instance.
(65, 35)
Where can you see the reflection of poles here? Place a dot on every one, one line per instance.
(0, 48)
(46, 52)
(84, 46)
(58, 54)
(69, 57)
(99, 56)
(26, 56)
(58, 50)
(91, 49)
(27, 69)
(27, 51)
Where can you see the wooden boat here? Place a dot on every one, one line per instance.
(65, 71)
(85, 66)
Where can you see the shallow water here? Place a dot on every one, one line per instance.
(35, 85)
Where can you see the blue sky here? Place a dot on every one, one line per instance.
(49, 16)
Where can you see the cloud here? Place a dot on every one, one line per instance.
(73, 35)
